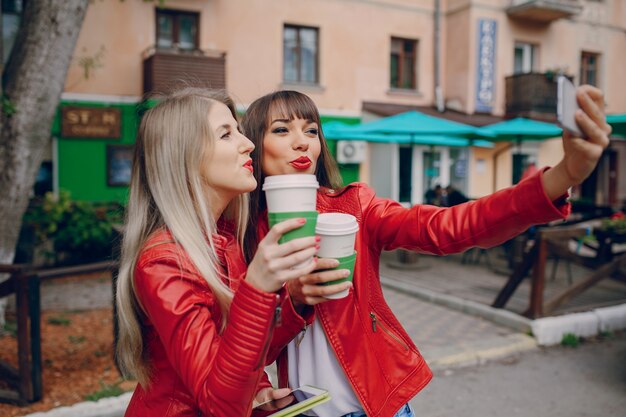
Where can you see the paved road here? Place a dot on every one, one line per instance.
(588, 381)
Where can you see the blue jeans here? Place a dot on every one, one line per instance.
(405, 411)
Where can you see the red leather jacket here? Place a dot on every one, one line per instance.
(380, 360)
(196, 370)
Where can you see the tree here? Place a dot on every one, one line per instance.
(32, 83)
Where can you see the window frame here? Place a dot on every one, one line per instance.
(530, 58)
(175, 15)
(401, 59)
(584, 68)
(316, 68)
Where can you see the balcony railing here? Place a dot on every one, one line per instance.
(166, 69)
(531, 95)
(544, 11)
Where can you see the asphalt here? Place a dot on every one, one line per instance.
(451, 327)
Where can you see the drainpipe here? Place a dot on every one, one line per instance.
(438, 92)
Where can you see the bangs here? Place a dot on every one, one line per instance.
(289, 106)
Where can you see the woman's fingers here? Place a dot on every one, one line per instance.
(591, 101)
(287, 266)
(594, 132)
(325, 276)
(294, 246)
(272, 399)
(283, 227)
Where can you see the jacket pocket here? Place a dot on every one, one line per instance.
(379, 326)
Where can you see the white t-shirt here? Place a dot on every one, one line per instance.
(312, 361)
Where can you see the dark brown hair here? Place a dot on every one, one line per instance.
(289, 105)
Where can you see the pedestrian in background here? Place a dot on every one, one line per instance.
(194, 326)
(355, 346)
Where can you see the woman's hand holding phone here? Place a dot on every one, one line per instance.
(581, 155)
(270, 399)
(297, 401)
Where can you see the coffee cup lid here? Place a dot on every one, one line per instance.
(290, 181)
(335, 224)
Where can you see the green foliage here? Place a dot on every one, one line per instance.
(570, 340)
(8, 107)
(79, 231)
(10, 327)
(106, 390)
(90, 63)
(615, 224)
(607, 334)
(59, 321)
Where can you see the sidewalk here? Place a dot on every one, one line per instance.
(444, 306)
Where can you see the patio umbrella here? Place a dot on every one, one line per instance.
(618, 123)
(521, 129)
(341, 131)
(416, 124)
(412, 128)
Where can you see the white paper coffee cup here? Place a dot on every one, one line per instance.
(337, 232)
(290, 193)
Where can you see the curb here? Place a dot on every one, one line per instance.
(484, 351)
(550, 330)
(547, 331)
(495, 315)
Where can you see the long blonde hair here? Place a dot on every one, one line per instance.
(167, 191)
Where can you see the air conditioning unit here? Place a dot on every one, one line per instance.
(351, 151)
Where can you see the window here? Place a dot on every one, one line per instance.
(589, 66)
(403, 63)
(11, 16)
(176, 29)
(300, 49)
(525, 58)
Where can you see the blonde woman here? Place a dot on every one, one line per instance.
(194, 325)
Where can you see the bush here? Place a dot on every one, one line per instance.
(64, 232)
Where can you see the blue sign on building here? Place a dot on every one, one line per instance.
(485, 75)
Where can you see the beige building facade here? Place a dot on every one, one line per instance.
(344, 53)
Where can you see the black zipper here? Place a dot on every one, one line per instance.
(276, 322)
(376, 323)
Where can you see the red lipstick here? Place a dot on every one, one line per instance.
(248, 165)
(301, 163)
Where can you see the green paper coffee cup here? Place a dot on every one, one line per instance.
(307, 229)
(292, 196)
(337, 232)
(346, 262)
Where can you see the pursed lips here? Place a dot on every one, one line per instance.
(248, 165)
(301, 163)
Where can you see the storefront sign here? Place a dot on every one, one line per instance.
(485, 76)
(90, 122)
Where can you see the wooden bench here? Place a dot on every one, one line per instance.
(25, 382)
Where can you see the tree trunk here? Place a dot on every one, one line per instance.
(33, 81)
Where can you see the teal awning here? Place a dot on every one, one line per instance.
(340, 131)
(416, 123)
(618, 123)
(521, 129)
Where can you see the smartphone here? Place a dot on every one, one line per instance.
(299, 400)
(567, 105)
